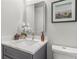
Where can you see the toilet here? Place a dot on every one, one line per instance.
(61, 52)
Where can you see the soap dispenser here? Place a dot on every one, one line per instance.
(42, 36)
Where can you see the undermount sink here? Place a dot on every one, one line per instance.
(27, 42)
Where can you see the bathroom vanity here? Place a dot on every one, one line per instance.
(24, 49)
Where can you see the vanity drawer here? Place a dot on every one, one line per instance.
(5, 57)
(16, 54)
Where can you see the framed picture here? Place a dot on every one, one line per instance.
(64, 11)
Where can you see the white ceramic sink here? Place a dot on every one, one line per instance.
(64, 50)
(27, 43)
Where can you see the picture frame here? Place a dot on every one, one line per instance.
(64, 11)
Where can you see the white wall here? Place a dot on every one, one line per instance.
(11, 15)
(59, 33)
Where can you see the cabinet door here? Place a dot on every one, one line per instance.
(41, 53)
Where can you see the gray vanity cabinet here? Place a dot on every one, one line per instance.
(11, 53)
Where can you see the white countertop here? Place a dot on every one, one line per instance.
(24, 44)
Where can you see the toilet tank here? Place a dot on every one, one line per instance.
(61, 52)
